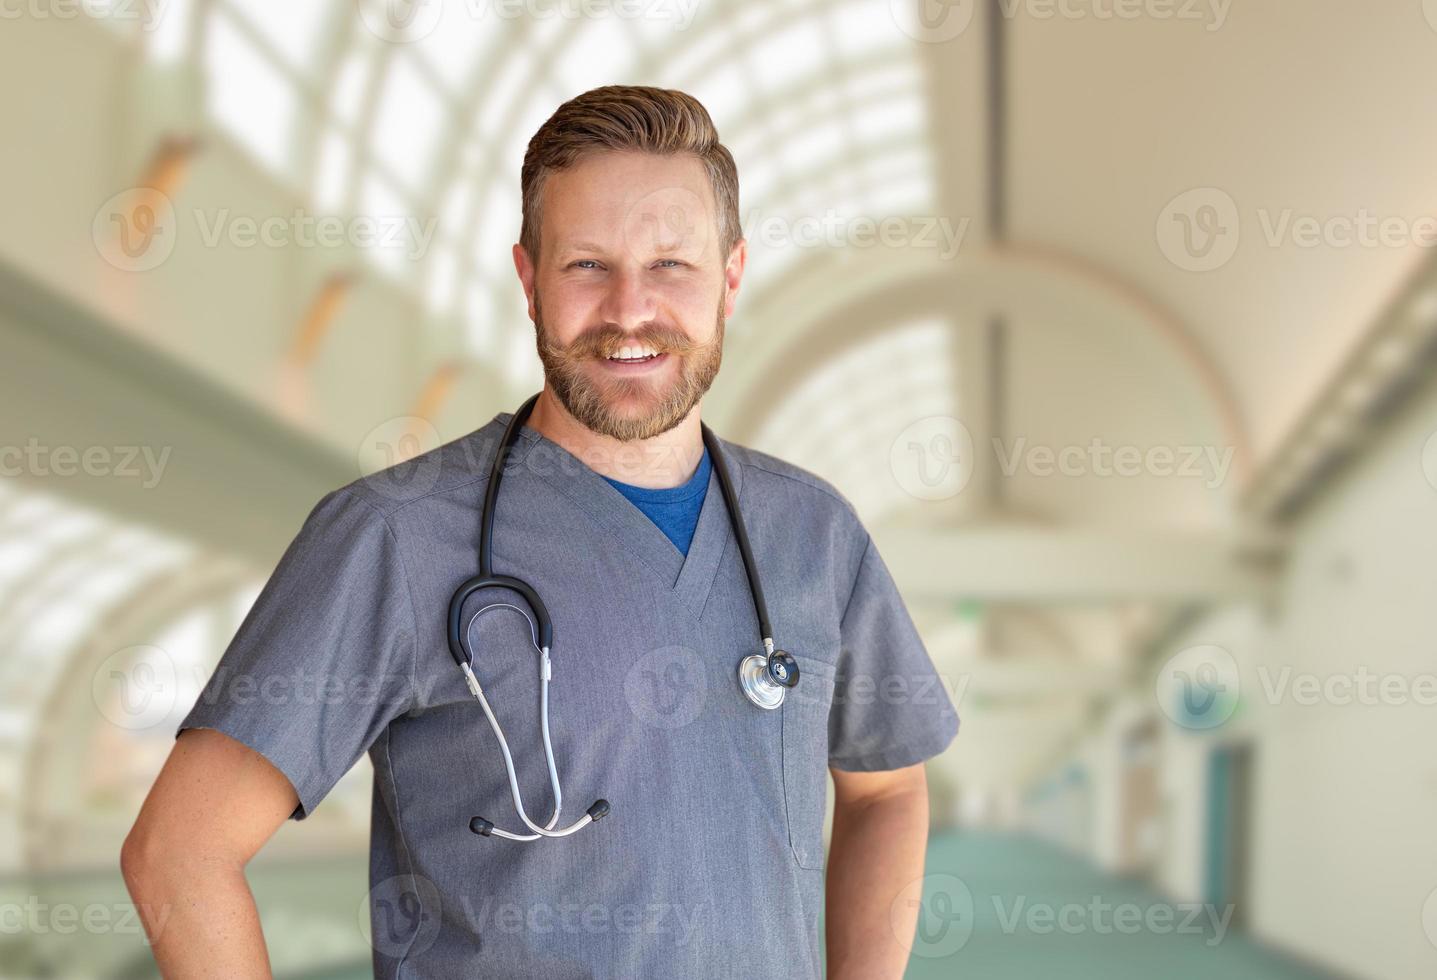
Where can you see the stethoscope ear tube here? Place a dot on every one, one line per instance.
(545, 627)
(543, 638)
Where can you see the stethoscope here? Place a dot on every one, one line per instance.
(763, 677)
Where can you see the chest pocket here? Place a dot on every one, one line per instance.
(805, 758)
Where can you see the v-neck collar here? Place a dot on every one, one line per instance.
(689, 578)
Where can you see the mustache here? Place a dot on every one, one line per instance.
(607, 341)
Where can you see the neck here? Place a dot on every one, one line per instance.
(665, 460)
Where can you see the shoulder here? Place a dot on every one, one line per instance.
(783, 484)
(460, 466)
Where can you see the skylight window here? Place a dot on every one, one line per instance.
(840, 421)
(168, 34)
(454, 48)
(407, 124)
(248, 95)
(821, 104)
(291, 28)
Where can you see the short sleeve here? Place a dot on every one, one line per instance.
(891, 708)
(324, 660)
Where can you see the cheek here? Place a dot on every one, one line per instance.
(695, 306)
(566, 311)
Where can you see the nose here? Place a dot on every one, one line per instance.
(628, 302)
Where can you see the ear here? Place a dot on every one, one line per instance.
(525, 266)
(733, 274)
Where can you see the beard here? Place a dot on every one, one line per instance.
(596, 404)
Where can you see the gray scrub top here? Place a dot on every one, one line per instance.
(710, 863)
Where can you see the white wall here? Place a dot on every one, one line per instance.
(1344, 853)
(1347, 806)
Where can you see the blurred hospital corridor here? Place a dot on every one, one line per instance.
(1115, 320)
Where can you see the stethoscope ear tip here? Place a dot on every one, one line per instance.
(598, 810)
(481, 826)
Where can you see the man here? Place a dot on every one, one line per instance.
(711, 861)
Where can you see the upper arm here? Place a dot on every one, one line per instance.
(863, 788)
(215, 800)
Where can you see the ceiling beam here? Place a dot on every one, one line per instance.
(167, 447)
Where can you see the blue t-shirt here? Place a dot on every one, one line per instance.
(674, 509)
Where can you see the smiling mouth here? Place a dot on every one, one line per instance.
(633, 354)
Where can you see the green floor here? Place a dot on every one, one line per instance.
(1009, 907)
(1000, 907)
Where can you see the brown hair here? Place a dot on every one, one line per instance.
(628, 117)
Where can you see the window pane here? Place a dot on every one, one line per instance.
(291, 27)
(407, 124)
(247, 94)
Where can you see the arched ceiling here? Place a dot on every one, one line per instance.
(843, 106)
(820, 102)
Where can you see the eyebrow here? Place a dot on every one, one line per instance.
(570, 248)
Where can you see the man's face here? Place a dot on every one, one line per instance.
(630, 292)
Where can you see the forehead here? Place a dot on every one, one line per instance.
(609, 195)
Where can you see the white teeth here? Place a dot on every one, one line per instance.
(632, 352)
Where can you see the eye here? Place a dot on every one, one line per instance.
(584, 264)
(670, 263)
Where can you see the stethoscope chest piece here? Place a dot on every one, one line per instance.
(766, 678)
